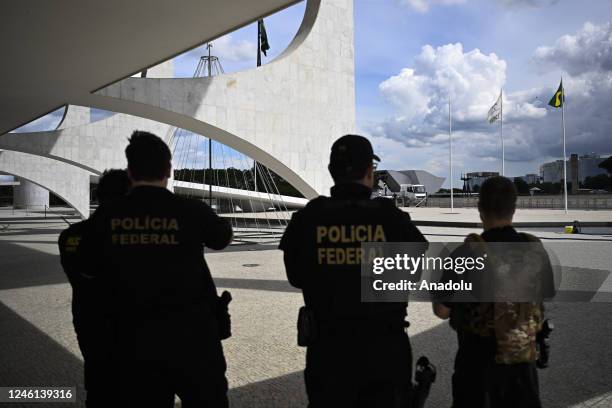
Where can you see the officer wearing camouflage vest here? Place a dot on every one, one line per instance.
(495, 365)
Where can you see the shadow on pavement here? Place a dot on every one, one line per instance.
(580, 364)
(28, 357)
(21, 266)
(579, 370)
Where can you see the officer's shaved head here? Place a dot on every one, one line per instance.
(113, 184)
(497, 198)
(148, 157)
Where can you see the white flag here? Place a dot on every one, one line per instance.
(496, 110)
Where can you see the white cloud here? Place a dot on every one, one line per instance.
(229, 50)
(420, 95)
(589, 50)
(422, 6)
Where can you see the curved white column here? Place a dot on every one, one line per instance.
(94, 147)
(68, 182)
(30, 195)
(284, 114)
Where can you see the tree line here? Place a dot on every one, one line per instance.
(243, 179)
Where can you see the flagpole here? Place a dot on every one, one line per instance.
(564, 152)
(450, 148)
(259, 43)
(501, 127)
(259, 65)
(210, 194)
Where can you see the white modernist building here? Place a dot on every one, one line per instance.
(284, 114)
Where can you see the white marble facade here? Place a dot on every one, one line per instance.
(284, 114)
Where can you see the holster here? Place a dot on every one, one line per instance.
(306, 327)
(224, 322)
(424, 376)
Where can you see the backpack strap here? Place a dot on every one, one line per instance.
(474, 238)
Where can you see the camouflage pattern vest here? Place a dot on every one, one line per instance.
(513, 324)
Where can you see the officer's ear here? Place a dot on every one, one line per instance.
(169, 170)
(370, 171)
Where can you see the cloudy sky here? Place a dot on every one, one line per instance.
(411, 55)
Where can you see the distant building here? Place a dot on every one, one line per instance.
(531, 179)
(476, 178)
(552, 172)
(588, 166)
(394, 179)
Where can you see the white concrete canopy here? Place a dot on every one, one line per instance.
(284, 114)
(95, 146)
(56, 52)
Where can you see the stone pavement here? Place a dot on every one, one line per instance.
(38, 346)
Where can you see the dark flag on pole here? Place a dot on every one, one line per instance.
(558, 100)
(264, 46)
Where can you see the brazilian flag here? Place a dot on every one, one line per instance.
(558, 100)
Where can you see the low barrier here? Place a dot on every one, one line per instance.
(543, 202)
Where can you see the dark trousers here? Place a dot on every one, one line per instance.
(345, 371)
(470, 379)
(144, 361)
(515, 385)
(94, 339)
(153, 383)
(478, 382)
(158, 356)
(97, 372)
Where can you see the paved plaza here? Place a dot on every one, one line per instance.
(540, 216)
(38, 345)
(433, 216)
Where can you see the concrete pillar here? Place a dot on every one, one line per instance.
(30, 195)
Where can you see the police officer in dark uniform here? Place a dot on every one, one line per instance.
(358, 353)
(485, 374)
(161, 297)
(88, 316)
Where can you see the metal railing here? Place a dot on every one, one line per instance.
(31, 208)
(533, 202)
(41, 209)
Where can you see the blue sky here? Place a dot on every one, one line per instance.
(411, 54)
(468, 39)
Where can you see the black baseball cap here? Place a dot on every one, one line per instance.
(351, 150)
